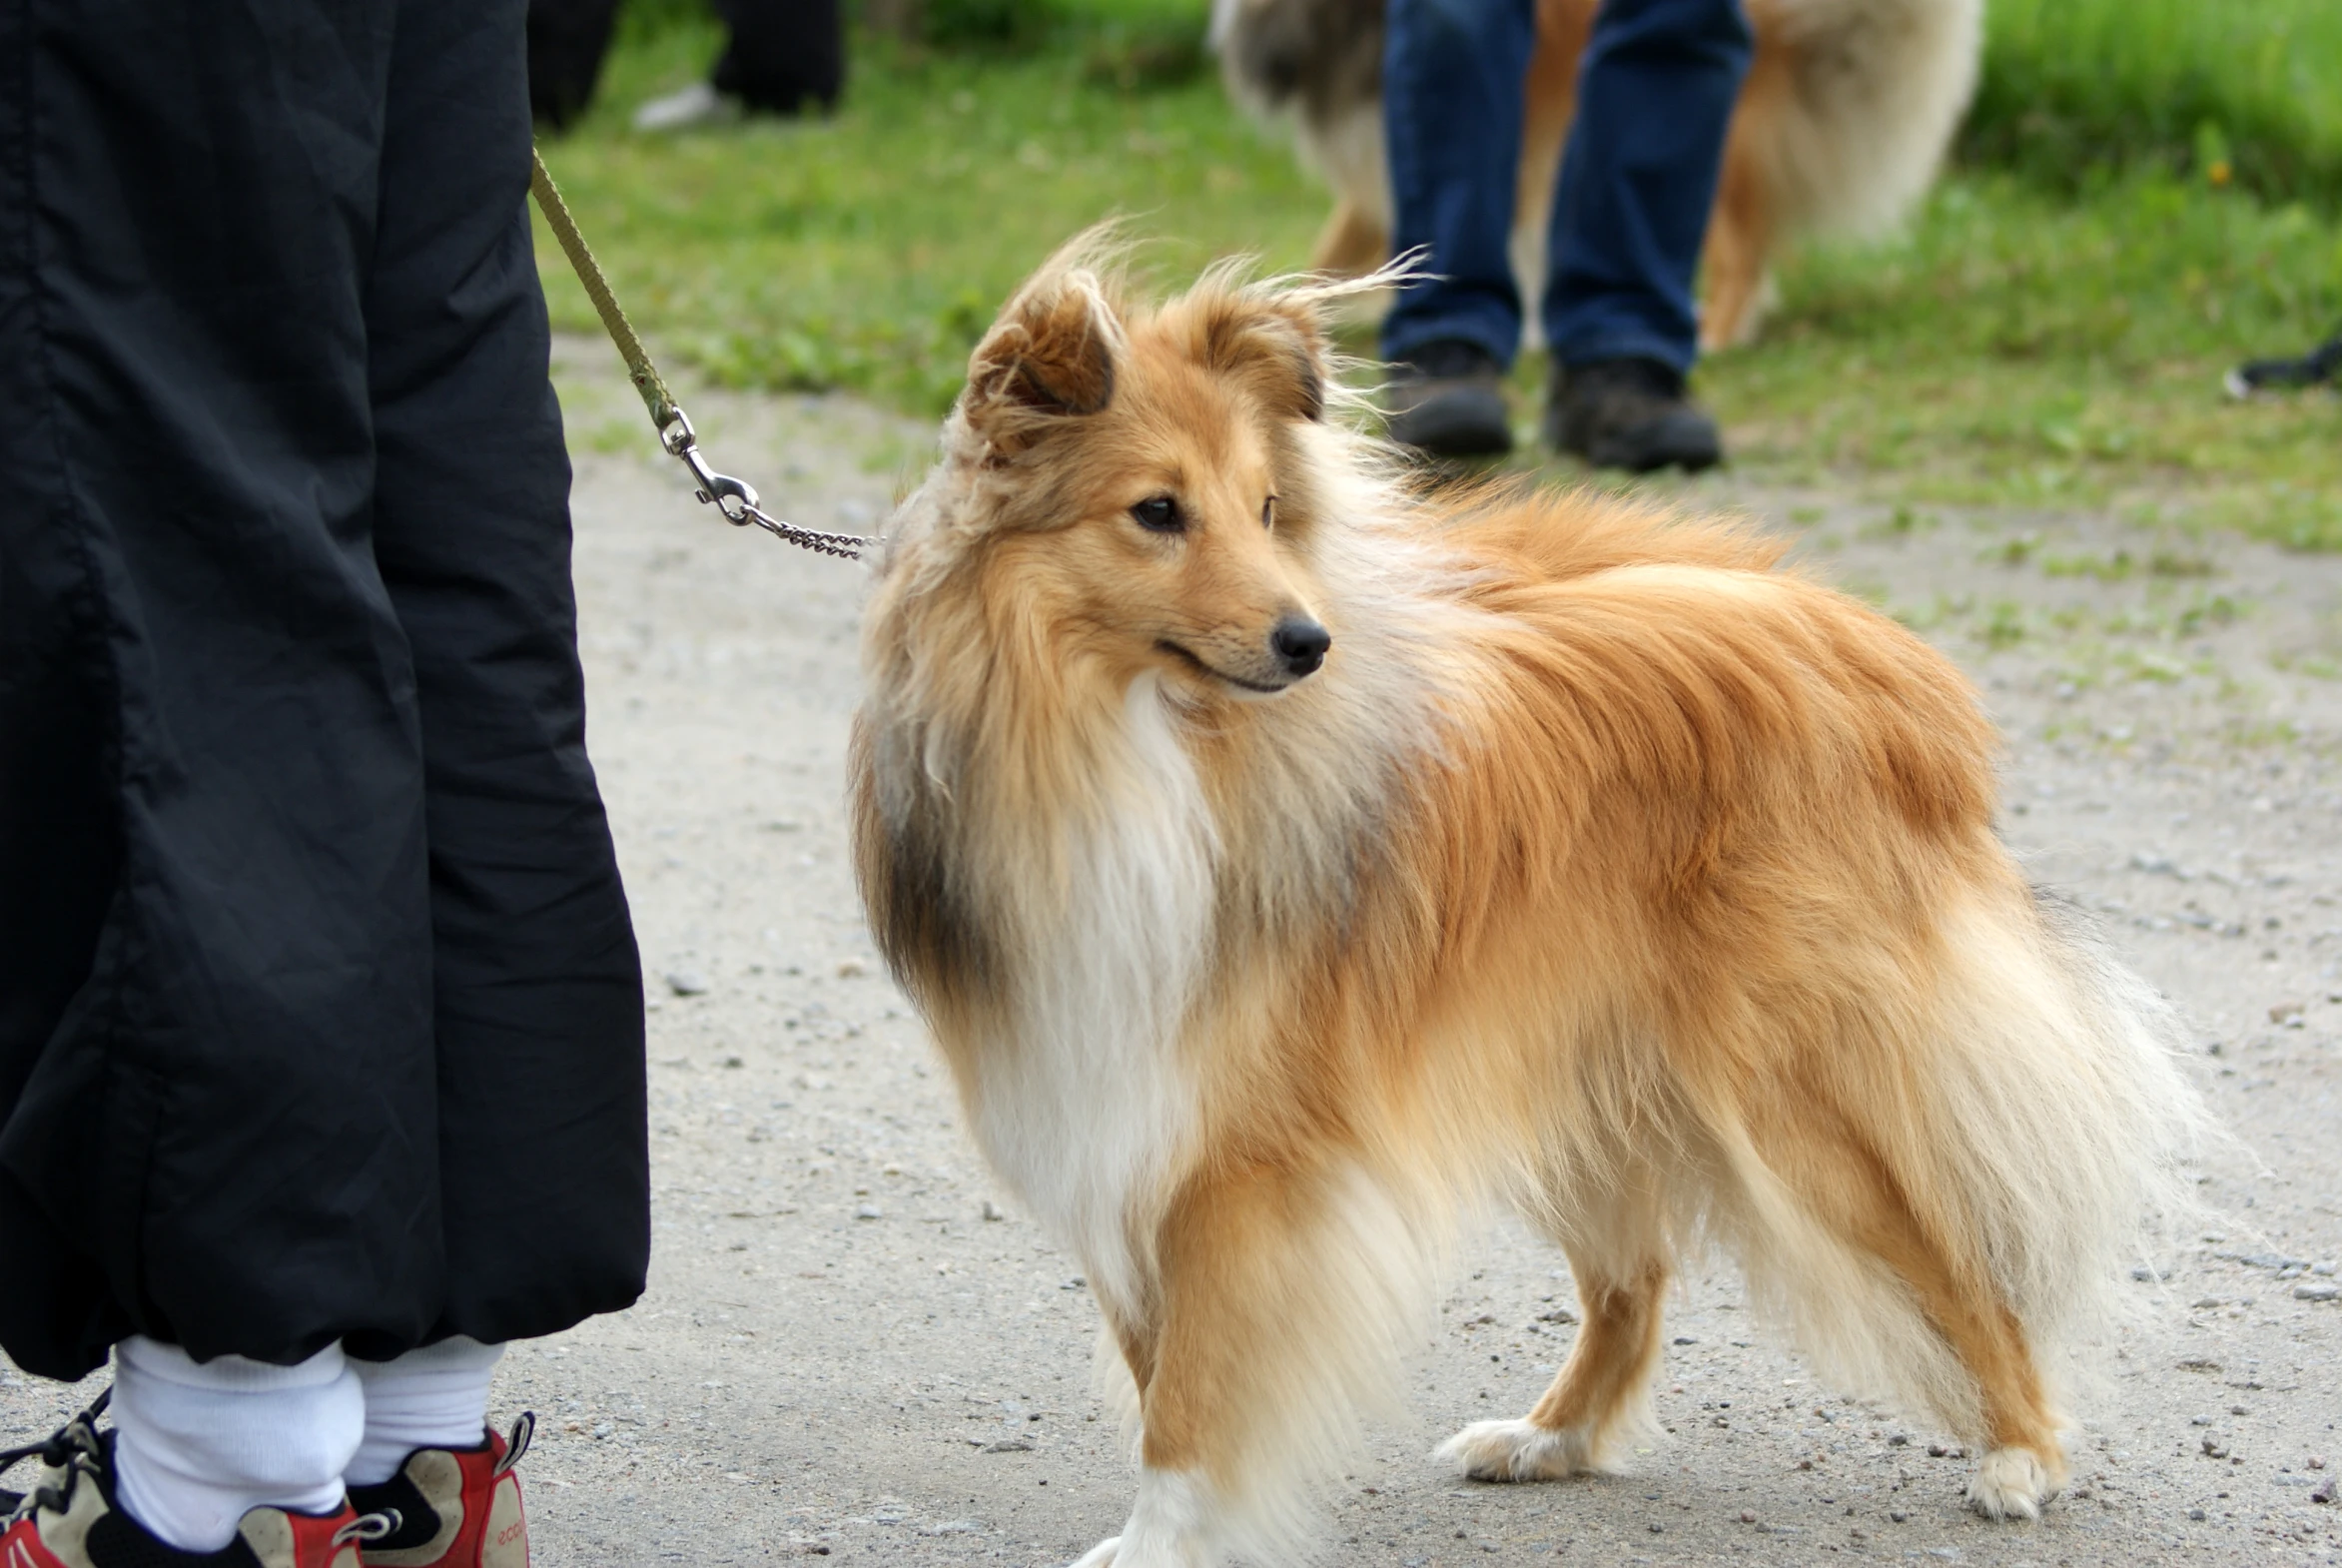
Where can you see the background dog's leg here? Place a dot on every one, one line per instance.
(1351, 244)
(1618, 1251)
(1740, 239)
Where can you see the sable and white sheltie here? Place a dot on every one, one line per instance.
(1842, 121)
(1290, 861)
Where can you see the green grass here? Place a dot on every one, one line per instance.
(2248, 90)
(2026, 343)
(2018, 348)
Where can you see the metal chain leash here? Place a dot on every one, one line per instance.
(735, 499)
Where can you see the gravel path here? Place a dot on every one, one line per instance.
(853, 1347)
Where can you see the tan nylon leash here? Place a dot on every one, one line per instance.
(735, 499)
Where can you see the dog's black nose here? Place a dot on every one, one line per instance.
(1302, 643)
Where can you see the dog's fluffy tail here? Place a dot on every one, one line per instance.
(2035, 1118)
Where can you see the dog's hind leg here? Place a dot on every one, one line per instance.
(2025, 1466)
(1618, 1251)
(1854, 1191)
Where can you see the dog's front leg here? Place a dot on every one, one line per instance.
(1265, 1316)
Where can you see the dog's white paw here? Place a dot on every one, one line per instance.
(2012, 1484)
(1516, 1451)
(1171, 1525)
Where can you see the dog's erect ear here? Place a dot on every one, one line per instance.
(1273, 345)
(1050, 356)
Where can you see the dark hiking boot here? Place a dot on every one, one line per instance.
(456, 1507)
(1630, 413)
(70, 1518)
(1447, 398)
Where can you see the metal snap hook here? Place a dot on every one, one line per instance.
(735, 499)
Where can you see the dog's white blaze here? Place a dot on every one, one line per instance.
(1089, 1102)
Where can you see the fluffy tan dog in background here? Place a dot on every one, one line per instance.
(1843, 121)
(1289, 864)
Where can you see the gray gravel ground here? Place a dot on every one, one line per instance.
(854, 1347)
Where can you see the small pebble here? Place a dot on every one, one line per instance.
(686, 983)
(991, 1210)
(869, 1211)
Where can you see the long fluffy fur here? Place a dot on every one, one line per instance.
(1605, 868)
(1840, 126)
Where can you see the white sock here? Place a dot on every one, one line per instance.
(435, 1397)
(204, 1441)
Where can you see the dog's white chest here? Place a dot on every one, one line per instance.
(1086, 1109)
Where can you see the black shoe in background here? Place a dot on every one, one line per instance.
(1447, 398)
(2322, 363)
(1630, 413)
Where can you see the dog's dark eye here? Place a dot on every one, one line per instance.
(1160, 515)
(1268, 512)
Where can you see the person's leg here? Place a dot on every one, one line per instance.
(218, 1091)
(783, 55)
(201, 1443)
(1453, 75)
(1655, 97)
(542, 1137)
(430, 1461)
(1637, 186)
(567, 40)
(434, 1398)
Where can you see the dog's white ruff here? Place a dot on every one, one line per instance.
(1086, 1104)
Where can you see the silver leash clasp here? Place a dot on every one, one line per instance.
(735, 499)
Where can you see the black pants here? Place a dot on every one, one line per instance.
(783, 55)
(319, 1011)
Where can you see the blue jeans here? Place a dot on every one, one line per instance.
(1655, 95)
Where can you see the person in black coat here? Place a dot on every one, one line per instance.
(320, 1016)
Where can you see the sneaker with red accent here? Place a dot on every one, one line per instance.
(456, 1507)
(70, 1518)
